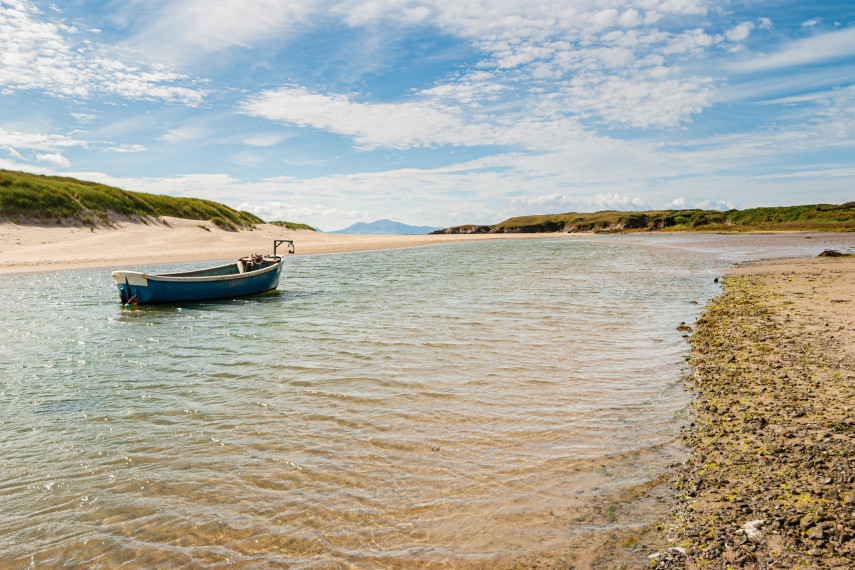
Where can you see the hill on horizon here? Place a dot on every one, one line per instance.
(385, 227)
(808, 217)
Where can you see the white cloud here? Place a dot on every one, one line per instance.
(249, 159)
(182, 30)
(551, 79)
(639, 101)
(264, 140)
(612, 50)
(85, 118)
(188, 185)
(709, 204)
(36, 54)
(690, 42)
(278, 211)
(630, 18)
(821, 47)
(560, 203)
(14, 153)
(739, 32)
(56, 159)
(126, 148)
(676, 204)
(604, 18)
(401, 125)
(38, 141)
(769, 90)
(47, 147)
(811, 23)
(643, 99)
(722, 205)
(592, 172)
(184, 134)
(473, 89)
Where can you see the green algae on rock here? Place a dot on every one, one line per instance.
(773, 452)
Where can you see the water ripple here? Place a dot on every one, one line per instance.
(425, 405)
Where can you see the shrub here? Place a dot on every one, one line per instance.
(224, 224)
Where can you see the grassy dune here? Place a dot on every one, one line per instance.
(31, 198)
(815, 217)
(294, 226)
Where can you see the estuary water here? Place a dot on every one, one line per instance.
(447, 405)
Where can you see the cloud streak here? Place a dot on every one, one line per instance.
(816, 49)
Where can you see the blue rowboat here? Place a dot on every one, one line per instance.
(247, 276)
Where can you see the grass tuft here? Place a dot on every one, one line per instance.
(294, 226)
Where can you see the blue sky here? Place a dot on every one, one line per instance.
(330, 112)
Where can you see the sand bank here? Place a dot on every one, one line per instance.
(35, 248)
(770, 482)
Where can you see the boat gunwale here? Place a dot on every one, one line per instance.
(176, 278)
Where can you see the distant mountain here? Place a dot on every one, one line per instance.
(386, 227)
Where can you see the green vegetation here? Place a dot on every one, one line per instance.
(39, 199)
(816, 217)
(294, 226)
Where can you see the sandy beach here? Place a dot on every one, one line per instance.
(38, 248)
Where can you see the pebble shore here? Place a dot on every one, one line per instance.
(770, 481)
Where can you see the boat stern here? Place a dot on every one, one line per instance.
(130, 285)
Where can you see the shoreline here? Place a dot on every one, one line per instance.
(770, 480)
(769, 476)
(37, 249)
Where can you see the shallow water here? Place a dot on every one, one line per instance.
(422, 406)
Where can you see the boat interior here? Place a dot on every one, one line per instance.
(243, 265)
(255, 262)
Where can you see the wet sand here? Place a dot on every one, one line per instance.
(37, 248)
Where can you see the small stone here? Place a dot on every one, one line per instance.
(816, 533)
(752, 529)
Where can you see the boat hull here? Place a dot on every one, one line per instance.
(225, 281)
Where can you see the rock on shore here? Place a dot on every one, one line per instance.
(770, 482)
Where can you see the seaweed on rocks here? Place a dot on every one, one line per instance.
(770, 481)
